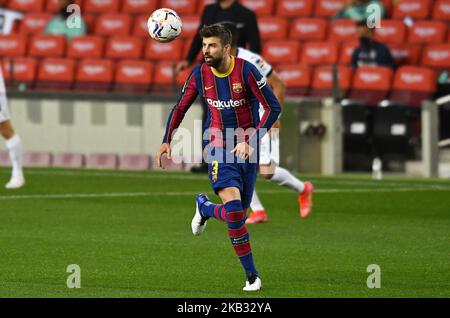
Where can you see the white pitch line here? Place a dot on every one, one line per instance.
(163, 194)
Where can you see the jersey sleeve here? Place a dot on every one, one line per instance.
(188, 95)
(262, 91)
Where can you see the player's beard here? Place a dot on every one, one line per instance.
(214, 62)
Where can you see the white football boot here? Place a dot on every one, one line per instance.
(253, 287)
(198, 223)
(15, 183)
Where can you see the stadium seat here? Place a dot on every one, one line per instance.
(53, 5)
(24, 71)
(133, 76)
(278, 52)
(34, 23)
(272, 28)
(55, 74)
(164, 77)
(187, 46)
(4, 159)
(171, 51)
(26, 5)
(47, 46)
(296, 77)
(260, 7)
(113, 24)
(140, 26)
(102, 161)
(101, 6)
(426, 32)
(437, 56)
(308, 29)
(416, 9)
(319, 53)
(139, 6)
(13, 45)
(346, 52)
(88, 46)
(322, 82)
(69, 160)
(183, 76)
(37, 159)
(121, 47)
(94, 75)
(371, 84)
(391, 31)
(135, 162)
(182, 7)
(405, 54)
(441, 10)
(413, 84)
(294, 8)
(190, 26)
(342, 31)
(328, 8)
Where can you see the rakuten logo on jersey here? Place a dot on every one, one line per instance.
(221, 104)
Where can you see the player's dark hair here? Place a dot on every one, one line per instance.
(217, 30)
(231, 26)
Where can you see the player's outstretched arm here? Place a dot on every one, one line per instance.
(164, 149)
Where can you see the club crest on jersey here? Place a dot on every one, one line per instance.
(237, 88)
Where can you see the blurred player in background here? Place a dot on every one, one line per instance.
(13, 142)
(58, 24)
(270, 144)
(232, 89)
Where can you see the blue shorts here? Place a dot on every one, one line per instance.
(240, 175)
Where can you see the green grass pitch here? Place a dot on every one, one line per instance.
(130, 234)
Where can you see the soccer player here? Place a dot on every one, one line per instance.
(270, 144)
(13, 142)
(232, 89)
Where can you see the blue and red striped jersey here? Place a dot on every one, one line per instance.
(232, 99)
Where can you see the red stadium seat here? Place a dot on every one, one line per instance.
(53, 5)
(90, 19)
(183, 76)
(94, 75)
(68, 160)
(171, 51)
(120, 47)
(182, 7)
(55, 74)
(387, 8)
(260, 7)
(319, 53)
(294, 8)
(426, 32)
(186, 47)
(306, 29)
(26, 5)
(441, 10)
(135, 162)
(163, 76)
(342, 31)
(272, 28)
(437, 56)
(133, 76)
(412, 85)
(416, 9)
(391, 31)
(24, 70)
(13, 45)
(346, 52)
(102, 161)
(47, 46)
(190, 27)
(371, 84)
(296, 77)
(322, 82)
(281, 52)
(328, 8)
(140, 26)
(113, 24)
(40, 159)
(101, 6)
(405, 53)
(34, 23)
(139, 6)
(88, 46)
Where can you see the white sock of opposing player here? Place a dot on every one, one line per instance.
(256, 204)
(14, 146)
(284, 178)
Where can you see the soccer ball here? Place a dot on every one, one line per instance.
(164, 25)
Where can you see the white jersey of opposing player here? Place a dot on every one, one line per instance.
(270, 143)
